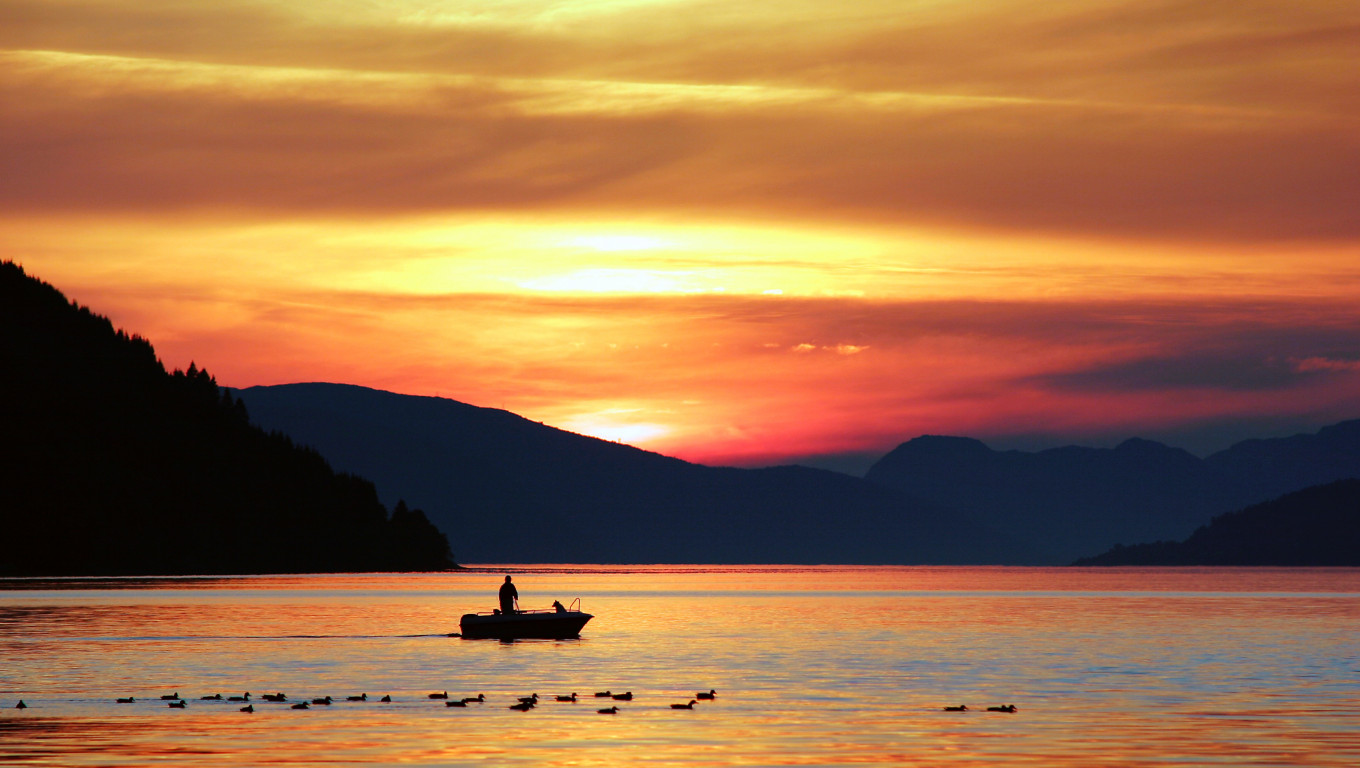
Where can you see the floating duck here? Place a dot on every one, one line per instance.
(523, 706)
(248, 708)
(478, 698)
(214, 697)
(360, 697)
(21, 705)
(275, 697)
(171, 697)
(443, 695)
(246, 697)
(571, 698)
(706, 696)
(302, 705)
(181, 704)
(531, 699)
(603, 694)
(128, 700)
(959, 708)
(325, 701)
(609, 711)
(690, 705)
(623, 696)
(455, 703)
(386, 698)
(1002, 708)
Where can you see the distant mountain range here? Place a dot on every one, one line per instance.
(110, 465)
(510, 489)
(1065, 503)
(1315, 526)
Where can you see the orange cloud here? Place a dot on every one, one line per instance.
(755, 231)
(1074, 127)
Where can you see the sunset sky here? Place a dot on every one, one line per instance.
(741, 233)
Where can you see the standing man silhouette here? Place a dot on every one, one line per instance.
(508, 597)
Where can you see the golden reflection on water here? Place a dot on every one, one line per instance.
(820, 666)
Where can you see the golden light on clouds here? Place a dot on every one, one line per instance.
(740, 232)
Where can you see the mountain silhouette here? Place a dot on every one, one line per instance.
(1265, 469)
(1063, 503)
(1317, 526)
(110, 465)
(513, 490)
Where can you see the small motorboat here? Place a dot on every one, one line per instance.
(551, 624)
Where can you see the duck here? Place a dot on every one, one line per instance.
(456, 703)
(214, 697)
(360, 697)
(571, 698)
(623, 696)
(706, 696)
(248, 708)
(603, 694)
(246, 697)
(275, 697)
(690, 705)
(302, 705)
(386, 698)
(324, 701)
(170, 697)
(479, 698)
(609, 711)
(523, 706)
(959, 708)
(531, 699)
(1002, 708)
(180, 704)
(443, 695)
(21, 705)
(128, 700)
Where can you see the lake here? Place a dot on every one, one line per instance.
(816, 666)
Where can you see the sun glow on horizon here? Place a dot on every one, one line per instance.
(613, 426)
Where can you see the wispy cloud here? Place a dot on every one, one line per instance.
(1075, 126)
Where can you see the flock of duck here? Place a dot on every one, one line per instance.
(527, 703)
(1003, 708)
(523, 704)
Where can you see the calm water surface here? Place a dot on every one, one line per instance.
(813, 666)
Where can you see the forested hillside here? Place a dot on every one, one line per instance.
(111, 465)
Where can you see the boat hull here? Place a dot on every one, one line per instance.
(547, 625)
